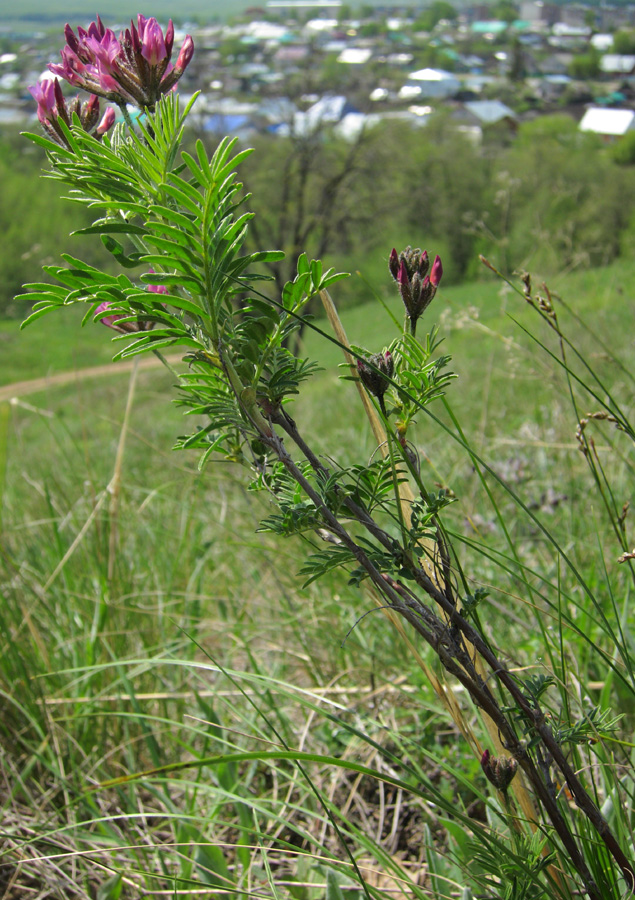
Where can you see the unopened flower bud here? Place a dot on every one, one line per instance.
(405, 288)
(499, 770)
(437, 271)
(393, 264)
(375, 372)
(410, 270)
(185, 56)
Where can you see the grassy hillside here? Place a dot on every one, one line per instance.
(474, 321)
(150, 623)
(43, 13)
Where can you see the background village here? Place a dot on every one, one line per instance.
(287, 67)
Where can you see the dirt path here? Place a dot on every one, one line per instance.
(21, 388)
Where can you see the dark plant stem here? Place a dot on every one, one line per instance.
(536, 716)
(458, 662)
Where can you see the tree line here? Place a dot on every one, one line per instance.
(546, 199)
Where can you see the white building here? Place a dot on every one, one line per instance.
(610, 123)
(436, 83)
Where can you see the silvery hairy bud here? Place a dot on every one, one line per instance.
(375, 373)
(499, 770)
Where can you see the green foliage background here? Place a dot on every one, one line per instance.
(549, 200)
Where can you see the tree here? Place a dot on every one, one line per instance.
(570, 204)
(505, 10)
(585, 66)
(315, 194)
(623, 152)
(517, 65)
(624, 42)
(435, 13)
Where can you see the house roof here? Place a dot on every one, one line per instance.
(616, 63)
(608, 121)
(432, 75)
(355, 55)
(430, 83)
(488, 112)
(266, 31)
(277, 109)
(602, 42)
(329, 109)
(490, 26)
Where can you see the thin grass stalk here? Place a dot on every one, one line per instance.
(114, 487)
(5, 411)
(427, 560)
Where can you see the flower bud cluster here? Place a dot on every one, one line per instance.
(52, 107)
(417, 288)
(499, 770)
(134, 68)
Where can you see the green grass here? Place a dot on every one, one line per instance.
(57, 344)
(133, 627)
(474, 321)
(46, 12)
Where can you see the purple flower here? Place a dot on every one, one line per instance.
(44, 94)
(134, 68)
(107, 121)
(156, 288)
(410, 270)
(154, 46)
(52, 107)
(112, 321)
(185, 55)
(115, 321)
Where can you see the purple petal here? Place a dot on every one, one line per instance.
(437, 271)
(185, 56)
(107, 121)
(152, 42)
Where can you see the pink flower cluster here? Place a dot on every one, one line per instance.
(134, 68)
(52, 107)
(115, 321)
(417, 288)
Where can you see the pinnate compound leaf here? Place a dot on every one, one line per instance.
(111, 226)
(318, 564)
(128, 262)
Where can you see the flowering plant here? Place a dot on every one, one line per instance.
(134, 68)
(179, 219)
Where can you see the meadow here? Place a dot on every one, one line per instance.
(48, 13)
(147, 623)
